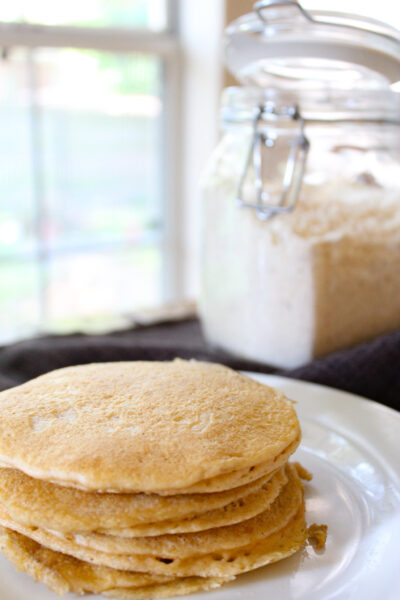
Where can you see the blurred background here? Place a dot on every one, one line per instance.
(108, 112)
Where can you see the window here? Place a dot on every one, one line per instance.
(88, 101)
(146, 14)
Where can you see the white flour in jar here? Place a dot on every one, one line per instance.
(323, 277)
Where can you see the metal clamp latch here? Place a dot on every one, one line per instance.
(294, 170)
(260, 6)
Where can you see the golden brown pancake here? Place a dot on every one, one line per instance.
(126, 427)
(62, 573)
(154, 555)
(210, 540)
(228, 481)
(229, 563)
(43, 504)
(240, 510)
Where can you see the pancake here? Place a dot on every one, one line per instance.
(9, 478)
(276, 547)
(79, 425)
(228, 481)
(42, 504)
(229, 563)
(179, 587)
(159, 555)
(238, 511)
(62, 573)
(209, 540)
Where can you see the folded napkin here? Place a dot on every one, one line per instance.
(371, 370)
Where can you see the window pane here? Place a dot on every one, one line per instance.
(17, 213)
(19, 299)
(96, 290)
(81, 192)
(100, 116)
(149, 14)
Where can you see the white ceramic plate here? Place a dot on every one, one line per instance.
(352, 446)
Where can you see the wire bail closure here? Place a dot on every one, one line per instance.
(294, 170)
(259, 7)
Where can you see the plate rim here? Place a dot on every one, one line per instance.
(311, 384)
(357, 416)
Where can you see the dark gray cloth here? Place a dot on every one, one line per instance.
(371, 370)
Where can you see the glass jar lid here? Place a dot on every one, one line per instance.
(281, 45)
(242, 104)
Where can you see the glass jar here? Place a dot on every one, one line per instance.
(301, 211)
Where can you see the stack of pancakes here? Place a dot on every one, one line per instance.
(147, 480)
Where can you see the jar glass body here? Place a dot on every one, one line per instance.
(325, 275)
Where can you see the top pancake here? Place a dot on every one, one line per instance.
(142, 426)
